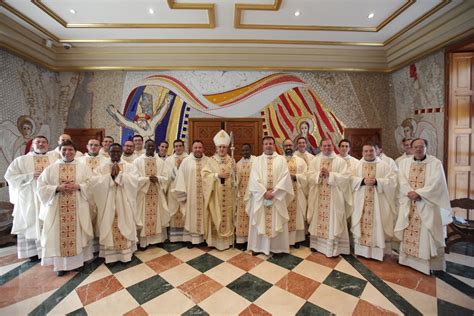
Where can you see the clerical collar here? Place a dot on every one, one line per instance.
(68, 161)
(39, 153)
(424, 157)
(92, 155)
(373, 160)
(269, 156)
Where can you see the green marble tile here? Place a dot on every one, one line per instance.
(78, 312)
(195, 310)
(204, 262)
(148, 289)
(446, 308)
(309, 309)
(170, 247)
(249, 286)
(10, 275)
(345, 282)
(454, 282)
(120, 266)
(460, 269)
(285, 260)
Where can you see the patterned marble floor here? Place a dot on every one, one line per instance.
(175, 280)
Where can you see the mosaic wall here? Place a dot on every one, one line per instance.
(406, 102)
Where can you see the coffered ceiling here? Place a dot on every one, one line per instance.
(251, 34)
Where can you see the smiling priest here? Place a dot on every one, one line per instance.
(67, 233)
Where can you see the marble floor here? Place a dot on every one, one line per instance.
(175, 280)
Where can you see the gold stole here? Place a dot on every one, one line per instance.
(40, 162)
(120, 242)
(366, 239)
(225, 165)
(324, 202)
(268, 208)
(199, 197)
(67, 212)
(292, 207)
(93, 162)
(411, 235)
(243, 174)
(177, 220)
(151, 198)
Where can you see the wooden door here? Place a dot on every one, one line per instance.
(359, 136)
(245, 130)
(80, 136)
(460, 127)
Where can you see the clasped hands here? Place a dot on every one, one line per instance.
(268, 195)
(369, 181)
(412, 195)
(324, 173)
(68, 187)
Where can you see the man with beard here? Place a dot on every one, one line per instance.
(270, 192)
(22, 176)
(189, 191)
(128, 154)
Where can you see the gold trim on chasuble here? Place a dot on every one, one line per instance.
(292, 207)
(268, 208)
(367, 219)
(151, 199)
(225, 165)
(177, 220)
(93, 162)
(199, 197)
(67, 212)
(120, 242)
(40, 162)
(243, 174)
(324, 202)
(411, 235)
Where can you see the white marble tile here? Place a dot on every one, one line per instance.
(279, 302)
(26, 306)
(179, 274)
(101, 272)
(312, 270)
(373, 296)
(224, 273)
(134, 274)
(269, 272)
(447, 293)
(225, 254)
(425, 303)
(185, 254)
(117, 303)
(224, 302)
(10, 267)
(69, 304)
(333, 300)
(172, 302)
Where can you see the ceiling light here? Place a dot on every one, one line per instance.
(371, 15)
(72, 11)
(297, 13)
(151, 11)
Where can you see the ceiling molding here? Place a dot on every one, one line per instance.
(209, 7)
(241, 7)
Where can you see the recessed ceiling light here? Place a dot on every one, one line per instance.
(371, 15)
(297, 13)
(151, 11)
(72, 11)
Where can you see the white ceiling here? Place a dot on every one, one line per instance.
(313, 14)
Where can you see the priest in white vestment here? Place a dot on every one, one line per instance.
(163, 150)
(270, 192)
(389, 161)
(152, 208)
(114, 192)
(424, 212)
(219, 194)
(407, 152)
(176, 231)
(106, 142)
(189, 192)
(66, 238)
(22, 175)
(345, 146)
(241, 214)
(128, 154)
(301, 150)
(329, 195)
(374, 192)
(56, 152)
(138, 145)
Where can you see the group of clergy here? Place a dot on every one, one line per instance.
(113, 198)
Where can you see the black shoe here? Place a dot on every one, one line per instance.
(313, 250)
(296, 246)
(255, 253)
(141, 248)
(190, 245)
(60, 273)
(34, 259)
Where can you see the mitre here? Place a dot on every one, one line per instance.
(222, 138)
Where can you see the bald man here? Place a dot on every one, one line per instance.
(56, 153)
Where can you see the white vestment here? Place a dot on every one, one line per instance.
(352, 163)
(93, 162)
(140, 152)
(402, 157)
(327, 205)
(104, 153)
(189, 191)
(374, 208)
(268, 231)
(306, 156)
(129, 159)
(421, 225)
(152, 209)
(244, 166)
(67, 230)
(22, 190)
(298, 207)
(389, 161)
(176, 232)
(116, 211)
